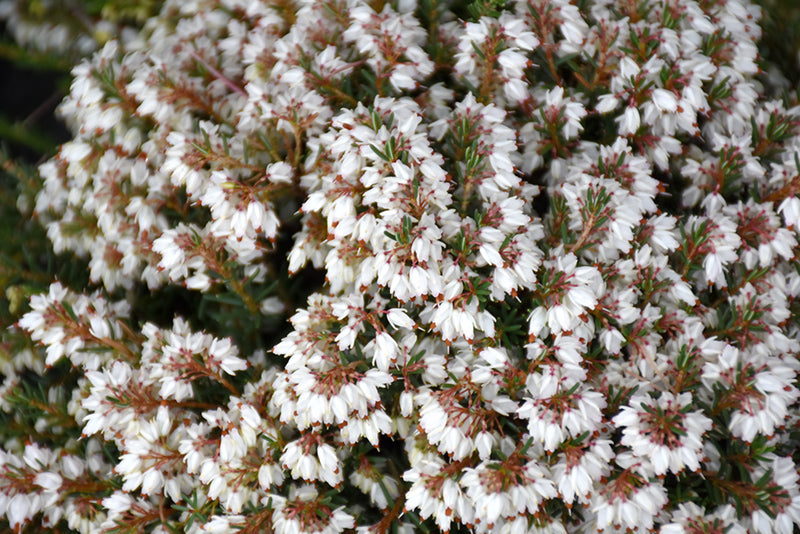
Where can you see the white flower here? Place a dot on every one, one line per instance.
(577, 480)
(629, 121)
(664, 432)
(498, 497)
(435, 492)
(302, 512)
(629, 505)
(372, 482)
(665, 100)
(764, 395)
(558, 408)
(689, 513)
(398, 318)
(385, 351)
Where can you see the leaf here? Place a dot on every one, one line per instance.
(417, 522)
(380, 154)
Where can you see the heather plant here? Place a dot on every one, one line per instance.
(416, 266)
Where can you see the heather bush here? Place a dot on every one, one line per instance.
(416, 266)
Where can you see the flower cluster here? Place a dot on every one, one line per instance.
(505, 267)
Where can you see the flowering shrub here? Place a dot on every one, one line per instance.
(538, 258)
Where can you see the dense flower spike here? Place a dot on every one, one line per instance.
(505, 267)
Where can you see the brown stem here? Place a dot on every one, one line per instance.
(260, 522)
(746, 491)
(298, 145)
(217, 74)
(224, 381)
(385, 524)
(227, 161)
(239, 289)
(788, 190)
(468, 185)
(588, 229)
(551, 64)
(115, 345)
(90, 486)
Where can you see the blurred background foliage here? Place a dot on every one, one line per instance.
(780, 40)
